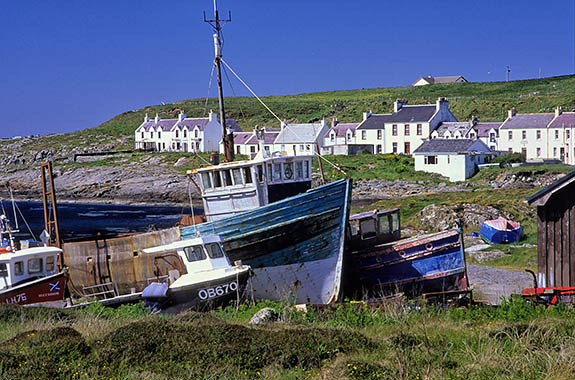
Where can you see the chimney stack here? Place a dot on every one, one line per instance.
(181, 116)
(146, 118)
(366, 115)
(323, 123)
(212, 116)
(511, 112)
(334, 122)
(440, 103)
(157, 118)
(283, 124)
(558, 111)
(397, 105)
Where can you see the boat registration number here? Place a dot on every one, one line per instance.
(217, 291)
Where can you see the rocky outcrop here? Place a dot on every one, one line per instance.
(440, 217)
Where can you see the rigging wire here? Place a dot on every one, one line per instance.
(209, 88)
(233, 91)
(25, 221)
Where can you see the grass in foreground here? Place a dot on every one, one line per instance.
(349, 341)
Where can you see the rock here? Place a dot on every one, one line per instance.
(439, 217)
(264, 316)
(183, 161)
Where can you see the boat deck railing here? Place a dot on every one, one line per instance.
(105, 290)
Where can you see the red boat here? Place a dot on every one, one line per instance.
(31, 276)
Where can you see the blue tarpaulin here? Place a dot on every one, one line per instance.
(501, 231)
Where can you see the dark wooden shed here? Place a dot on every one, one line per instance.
(556, 232)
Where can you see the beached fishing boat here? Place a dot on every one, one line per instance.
(415, 266)
(29, 275)
(294, 246)
(500, 230)
(202, 280)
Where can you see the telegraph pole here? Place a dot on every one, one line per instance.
(216, 23)
(507, 71)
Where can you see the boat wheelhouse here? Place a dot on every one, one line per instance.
(203, 279)
(231, 188)
(374, 227)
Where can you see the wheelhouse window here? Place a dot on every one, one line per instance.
(237, 174)
(270, 173)
(306, 169)
(227, 177)
(247, 175)
(50, 261)
(298, 170)
(277, 172)
(3, 270)
(194, 253)
(217, 179)
(288, 170)
(34, 266)
(207, 180)
(260, 173)
(19, 268)
(214, 251)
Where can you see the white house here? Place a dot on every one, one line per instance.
(301, 139)
(488, 132)
(423, 81)
(341, 139)
(456, 159)
(562, 134)
(182, 134)
(249, 143)
(455, 130)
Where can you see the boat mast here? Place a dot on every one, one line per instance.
(227, 138)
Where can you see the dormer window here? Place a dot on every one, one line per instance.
(185, 133)
(142, 134)
(159, 135)
(332, 137)
(196, 133)
(177, 134)
(152, 134)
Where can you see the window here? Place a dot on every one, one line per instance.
(194, 253)
(394, 129)
(431, 160)
(394, 147)
(378, 150)
(152, 134)
(554, 151)
(538, 135)
(538, 152)
(492, 137)
(523, 135)
(567, 134)
(301, 148)
(34, 266)
(217, 179)
(227, 177)
(379, 134)
(237, 175)
(160, 135)
(252, 149)
(332, 137)
(50, 260)
(288, 170)
(238, 149)
(214, 250)
(510, 134)
(293, 148)
(247, 175)
(196, 133)
(260, 172)
(363, 135)
(407, 148)
(207, 180)
(185, 133)
(177, 133)
(349, 136)
(283, 148)
(472, 136)
(277, 172)
(3, 270)
(556, 134)
(164, 145)
(510, 150)
(419, 129)
(298, 170)
(307, 147)
(306, 169)
(142, 134)
(270, 171)
(407, 129)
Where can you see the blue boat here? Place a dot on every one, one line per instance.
(295, 246)
(500, 230)
(415, 266)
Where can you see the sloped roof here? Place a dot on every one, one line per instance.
(566, 119)
(250, 138)
(453, 126)
(191, 123)
(375, 121)
(299, 133)
(449, 146)
(484, 128)
(341, 128)
(438, 80)
(241, 138)
(541, 197)
(528, 120)
(410, 114)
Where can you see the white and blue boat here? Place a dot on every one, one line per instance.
(500, 230)
(295, 246)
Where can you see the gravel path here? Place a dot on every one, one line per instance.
(491, 284)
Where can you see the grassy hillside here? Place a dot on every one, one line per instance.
(484, 100)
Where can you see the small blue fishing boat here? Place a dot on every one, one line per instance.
(501, 230)
(415, 266)
(294, 246)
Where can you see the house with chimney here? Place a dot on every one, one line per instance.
(535, 135)
(301, 139)
(182, 134)
(341, 140)
(488, 132)
(424, 81)
(250, 143)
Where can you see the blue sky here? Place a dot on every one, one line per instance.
(68, 65)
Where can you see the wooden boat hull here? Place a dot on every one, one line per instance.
(427, 264)
(295, 246)
(46, 289)
(201, 296)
